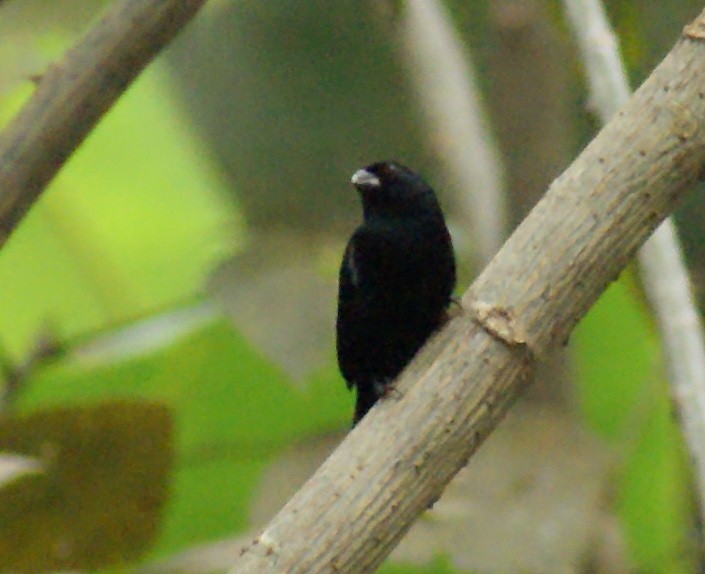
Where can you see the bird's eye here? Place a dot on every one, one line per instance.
(388, 170)
(385, 170)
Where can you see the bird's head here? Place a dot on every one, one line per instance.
(390, 189)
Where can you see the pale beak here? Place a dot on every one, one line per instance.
(365, 179)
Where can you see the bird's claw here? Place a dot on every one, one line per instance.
(386, 388)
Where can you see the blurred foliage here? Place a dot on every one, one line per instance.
(233, 411)
(66, 516)
(439, 565)
(313, 93)
(140, 184)
(275, 105)
(624, 396)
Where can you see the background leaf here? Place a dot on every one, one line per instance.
(100, 497)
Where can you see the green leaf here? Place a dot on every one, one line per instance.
(134, 222)
(439, 565)
(233, 412)
(624, 397)
(100, 496)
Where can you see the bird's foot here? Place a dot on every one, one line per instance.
(386, 388)
(453, 310)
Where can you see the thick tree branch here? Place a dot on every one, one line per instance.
(74, 93)
(579, 237)
(664, 274)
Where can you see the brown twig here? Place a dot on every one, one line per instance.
(398, 460)
(74, 93)
(14, 376)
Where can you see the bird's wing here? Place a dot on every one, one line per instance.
(360, 293)
(371, 252)
(374, 271)
(351, 309)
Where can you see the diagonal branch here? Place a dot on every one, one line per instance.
(664, 274)
(577, 240)
(74, 93)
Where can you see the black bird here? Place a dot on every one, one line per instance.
(396, 280)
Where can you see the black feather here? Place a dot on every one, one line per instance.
(396, 279)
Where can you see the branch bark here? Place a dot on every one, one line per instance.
(579, 237)
(664, 274)
(74, 93)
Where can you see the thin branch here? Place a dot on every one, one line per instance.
(580, 236)
(607, 78)
(74, 93)
(664, 275)
(47, 347)
(668, 289)
(444, 80)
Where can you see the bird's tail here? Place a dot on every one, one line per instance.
(366, 398)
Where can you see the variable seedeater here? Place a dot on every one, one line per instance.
(396, 280)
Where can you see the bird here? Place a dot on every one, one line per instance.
(396, 280)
